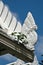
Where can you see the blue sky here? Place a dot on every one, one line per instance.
(20, 8)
